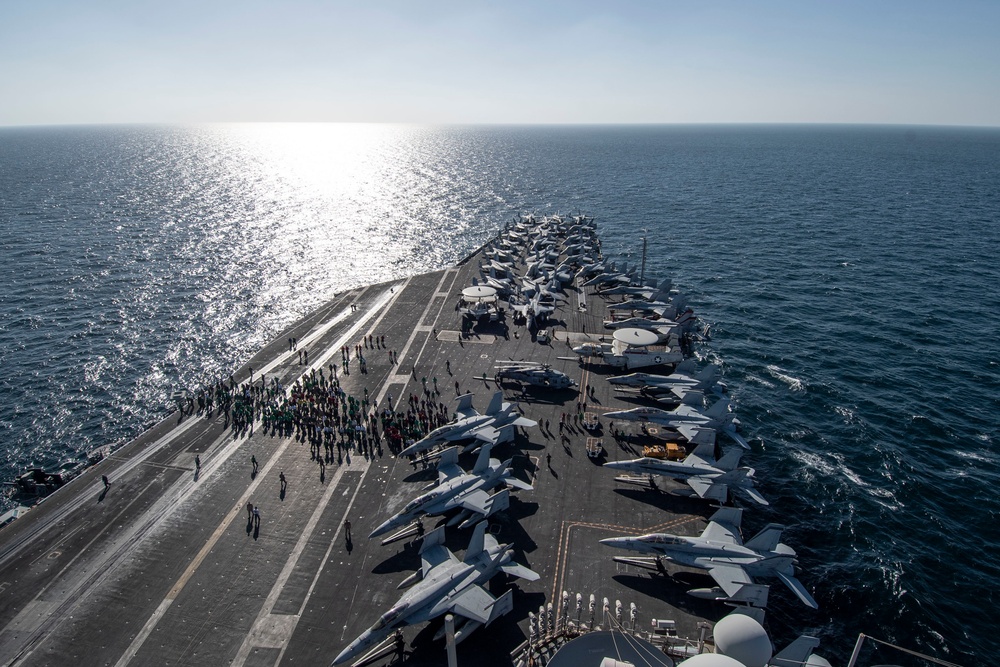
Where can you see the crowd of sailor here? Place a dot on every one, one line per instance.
(317, 409)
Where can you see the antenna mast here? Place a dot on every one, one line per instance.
(642, 271)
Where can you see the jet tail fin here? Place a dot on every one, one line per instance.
(464, 404)
(477, 542)
(496, 404)
(707, 376)
(730, 461)
(719, 410)
(483, 462)
(767, 539)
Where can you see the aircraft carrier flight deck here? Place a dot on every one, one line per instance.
(166, 567)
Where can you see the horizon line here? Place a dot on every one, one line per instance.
(500, 124)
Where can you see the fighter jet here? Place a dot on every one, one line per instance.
(640, 305)
(534, 373)
(623, 277)
(650, 292)
(720, 550)
(535, 310)
(710, 479)
(457, 489)
(681, 381)
(471, 425)
(444, 585)
(687, 417)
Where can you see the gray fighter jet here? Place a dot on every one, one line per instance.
(448, 585)
(720, 550)
(685, 376)
(471, 425)
(709, 478)
(457, 489)
(687, 417)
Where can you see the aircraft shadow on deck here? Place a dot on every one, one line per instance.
(423, 650)
(668, 500)
(673, 590)
(427, 474)
(535, 395)
(406, 560)
(511, 530)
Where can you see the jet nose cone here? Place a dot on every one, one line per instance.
(616, 541)
(382, 529)
(345, 655)
(354, 648)
(615, 465)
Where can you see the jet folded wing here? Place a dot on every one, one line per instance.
(687, 430)
(486, 434)
(448, 467)
(695, 458)
(478, 501)
(722, 532)
(731, 578)
(433, 552)
(474, 603)
(706, 488)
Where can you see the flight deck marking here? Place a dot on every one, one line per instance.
(562, 553)
(265, 619)
(289, 623)
(161, 610)
(396, 459)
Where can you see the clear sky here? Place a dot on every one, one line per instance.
(608, 61)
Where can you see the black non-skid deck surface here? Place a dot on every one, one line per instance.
(165, 568)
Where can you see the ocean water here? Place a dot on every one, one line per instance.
(850, 276)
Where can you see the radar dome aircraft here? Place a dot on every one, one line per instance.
(708, 478)
(629, 350)
(729, 561)
(490, 426)
(534, 373)
(444, 585)
(457, 489)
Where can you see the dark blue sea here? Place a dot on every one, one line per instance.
(851, 277)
